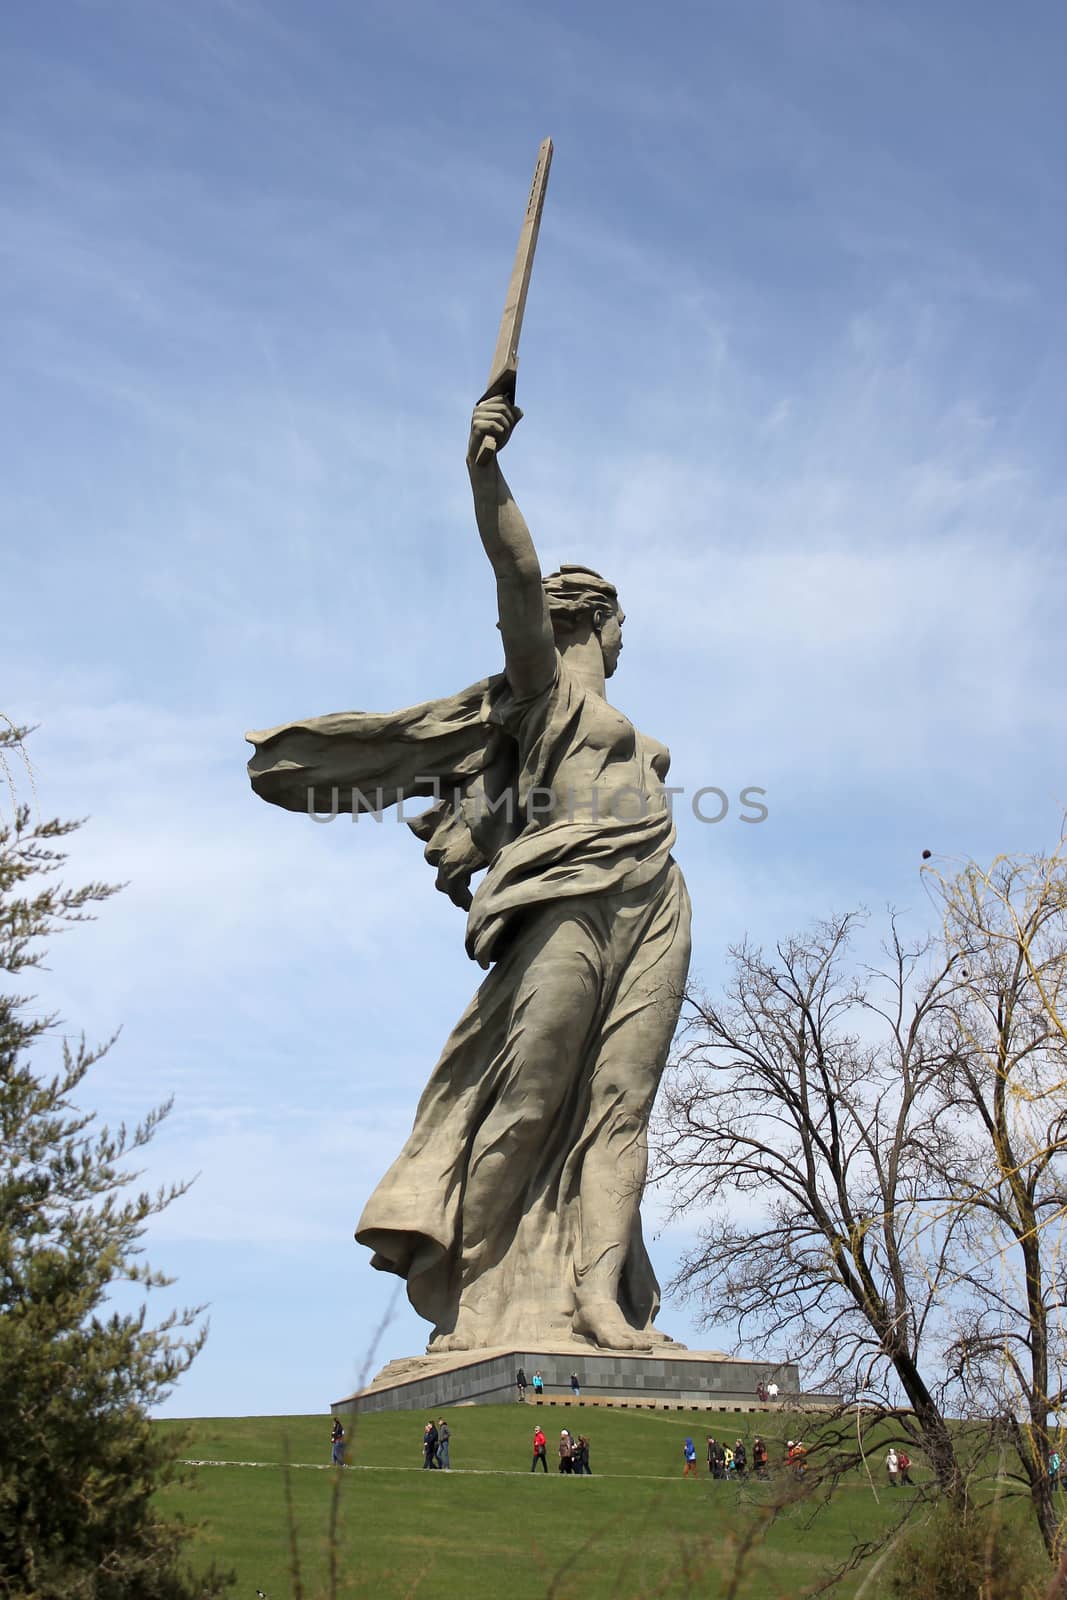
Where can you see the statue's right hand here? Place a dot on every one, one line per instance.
(493, 417)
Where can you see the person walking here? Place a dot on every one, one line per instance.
(759, 1459)
(718, 1459)
(711, 1453)
(1054, 1479)
(566, 1451)
(540, 1445)
(580, 1458)
(904, 1463)
(429, 1446)
(444, 1439)
(576, 1387)
(892, 1466)
(520, 1383)
(689, 1451)
(740, 1459)
(337, 1440)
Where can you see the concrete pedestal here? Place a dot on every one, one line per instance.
(670, 1377)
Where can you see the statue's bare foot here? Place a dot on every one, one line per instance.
(464, 1336)
(449, 1342)
(659, 1339)
(603, 1322)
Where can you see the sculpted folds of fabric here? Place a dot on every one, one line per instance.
(502, 1201)
(513, 1211)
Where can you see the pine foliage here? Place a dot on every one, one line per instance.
(80, 1462)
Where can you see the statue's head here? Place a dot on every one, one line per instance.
(580, 601)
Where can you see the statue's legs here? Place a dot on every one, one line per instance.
(528, 1151)
(630, 1059)
(556, 1004)
(614, 1170)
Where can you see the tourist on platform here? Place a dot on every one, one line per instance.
(337, 1439)
(892, 1466)
(566, 1451)
(444, 1439)
(540, 1444)
(576, 1387)
(520, 1383)
(538, 1383)
(740, 1459)
(759, 1458)
(904, 1463)
(429, 1445)
(772, 1391)
(761, 1391)
(580, 1457)
(689, 1452)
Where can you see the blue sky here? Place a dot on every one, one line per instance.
(792, 378)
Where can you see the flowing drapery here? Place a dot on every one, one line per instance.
(569, 899)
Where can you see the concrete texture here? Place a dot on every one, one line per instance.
(684, 1378)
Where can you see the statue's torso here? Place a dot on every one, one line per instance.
(593, 816)
(597, 765)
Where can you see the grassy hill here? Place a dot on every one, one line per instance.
(490, 1528)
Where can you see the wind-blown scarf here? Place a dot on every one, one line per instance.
(450, 749)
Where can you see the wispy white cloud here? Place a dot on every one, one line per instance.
(786, 381)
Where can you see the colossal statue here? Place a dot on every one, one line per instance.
(513, 1211)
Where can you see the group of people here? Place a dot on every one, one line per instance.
(573, 1453)
(898, 1467)
(538, 1384)
(727, 1461)
(724, 1461)
(436, 1438)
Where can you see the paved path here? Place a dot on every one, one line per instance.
(485, 1472)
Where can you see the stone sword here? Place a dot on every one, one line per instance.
(504, 369)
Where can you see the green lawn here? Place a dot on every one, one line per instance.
(489, 1528)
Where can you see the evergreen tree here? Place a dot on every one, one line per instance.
(80, 1461)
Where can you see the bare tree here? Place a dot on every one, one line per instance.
(800, 1116)
(879, 1155)
(1006, 1087)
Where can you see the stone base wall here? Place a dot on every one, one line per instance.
(488, 1378)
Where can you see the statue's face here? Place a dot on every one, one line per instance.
(611, 641)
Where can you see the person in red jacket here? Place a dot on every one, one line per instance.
(539, 1451)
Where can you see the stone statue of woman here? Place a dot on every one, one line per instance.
(513, 1210)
